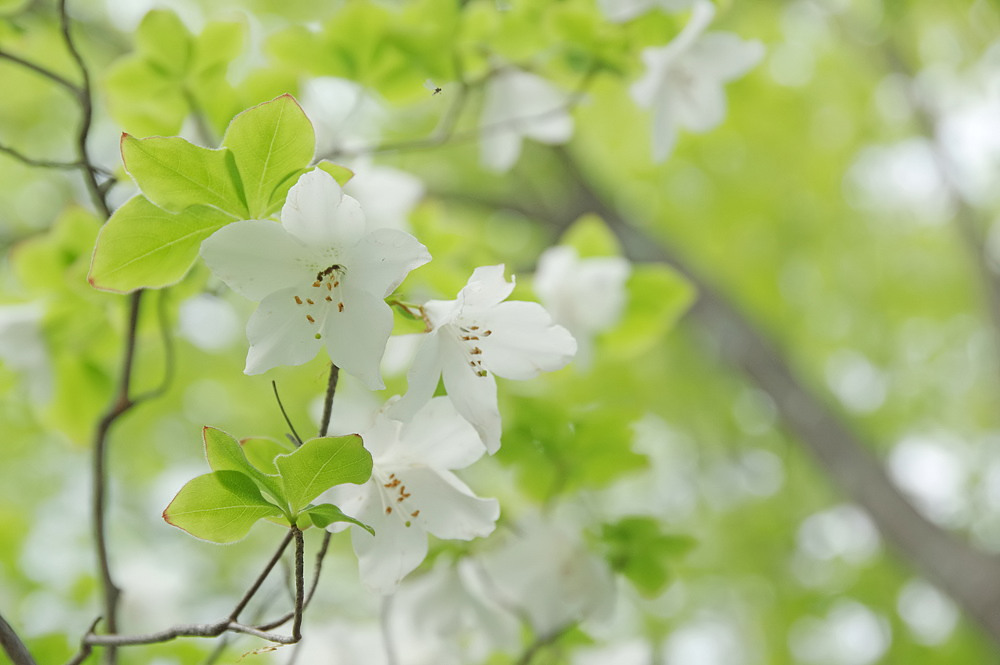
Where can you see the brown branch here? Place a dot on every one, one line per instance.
(241, 605)
(331, 390)
(189, 630)
(13, 646)
(299, 583)
(41, 71)
(317, 569)
(971, 577)
(83, 94)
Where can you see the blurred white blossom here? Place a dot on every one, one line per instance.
(683, 81)
(520, 105)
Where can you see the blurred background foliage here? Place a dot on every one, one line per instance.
(846, 207)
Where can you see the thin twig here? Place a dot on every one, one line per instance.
(85, 649)
(39, 163)
(241, 605)
(120, 405)
(169, 354)
(317, 569)
(331, 390)
(13, 646)
(299, 583)
(189, 630)
(288, 421)
(43, 71)
(83, 94)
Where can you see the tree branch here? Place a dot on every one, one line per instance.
(41, 71)
(331, 390)
(13, 646)
(971, 577)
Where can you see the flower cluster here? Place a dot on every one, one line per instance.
(321, 277)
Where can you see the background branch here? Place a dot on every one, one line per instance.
(13, 646)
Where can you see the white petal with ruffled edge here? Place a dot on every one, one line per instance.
(320, 278)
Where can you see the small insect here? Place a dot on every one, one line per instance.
(328, 271)
(434, 88)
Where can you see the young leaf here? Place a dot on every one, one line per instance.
(341, 174)
(220, 507)
(261, 452)
(321, 463)
(224, 453)
(175, 174)
(144, 246)
(326, 513)
(270, 143)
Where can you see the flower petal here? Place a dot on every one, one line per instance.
(448, 508)
(524, 341)
(724, 56)
(439, 437)
(486, 287)
(319, 214)
(382, 259)
(279, 334)
(393, 552)
(474, 397)
(356, 336)
(499, 148)
(422, 378)
(255, 257)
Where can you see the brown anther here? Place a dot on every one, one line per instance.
(298, 300)
(473, 327)
(481, 372)
(329, 299)
(310, 318)
(486, 333)
(340, 307)
(337, 283)
(469, 338)
(415, 513)
(388, 510)
(329, 286)
(476, 351)
(309, 300)
(315, 283)
(400, 499)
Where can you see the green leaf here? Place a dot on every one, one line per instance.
(164, 42)
(658, 296)
(142, 99)
(341, 174)
(590, 237)
(270, 143)
(175, 174)
(639, 549)
(261, 452)
(144, 246)
(326, 513)
(321, 463)
(224, 453)
(220, 507)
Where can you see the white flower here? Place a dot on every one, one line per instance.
(620, 11)
(386, 194)
(683, 80)
(412, 492)
(344, 114)
(517, 105)
(319, 277)
(475, 336)
(548, 575)
(585, 295)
